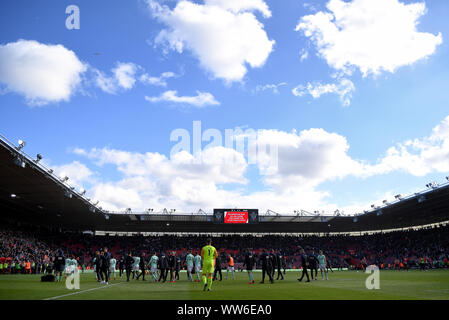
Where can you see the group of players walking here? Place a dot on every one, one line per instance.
(313, 263)
(272, 261)
(208, 264)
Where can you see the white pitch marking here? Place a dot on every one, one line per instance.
(78, 292)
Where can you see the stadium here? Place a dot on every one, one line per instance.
(41, 214)
(248, 156)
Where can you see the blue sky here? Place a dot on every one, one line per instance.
(361, 90)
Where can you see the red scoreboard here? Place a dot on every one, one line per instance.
(236, 216)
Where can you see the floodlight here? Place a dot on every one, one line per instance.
(19, 162)
(22, 144)
(38, 158)
(65, 179)
(82, 192)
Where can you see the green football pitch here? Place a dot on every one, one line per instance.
(347, 285)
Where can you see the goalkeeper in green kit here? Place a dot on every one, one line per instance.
(208, 254)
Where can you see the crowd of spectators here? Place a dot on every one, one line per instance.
(33, 251)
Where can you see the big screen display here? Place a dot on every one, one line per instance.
(236, 216)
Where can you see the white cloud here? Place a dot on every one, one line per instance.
(116, 198)
(306, 160)
(309, 6)
(152, 180)
(219, 164)
(343, 88)
(168, 182)
(373, 36)
(77, 172)
(224, 35)
(239, 6)
(157, 81)
(43, 73)
(418, 157)
(273, 87)
(123, 77)
(202, 99)
(304, 55)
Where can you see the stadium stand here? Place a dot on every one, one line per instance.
(343, 251)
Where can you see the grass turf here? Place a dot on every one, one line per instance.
(346, 285)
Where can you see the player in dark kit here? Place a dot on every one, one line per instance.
(163, 266)
(59, 263)
(250, 262)
(121, 265)
(178, 267)
(172, 265)
(304, 264)
(279, 258)
(129, 261)
(267, 266)
(218, 269)
(107, 256)
(98, 263)
(104, 267)
(273, 258)
(313, 265)
(143, 266)
(284, 262)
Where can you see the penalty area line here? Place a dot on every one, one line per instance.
(82, 291)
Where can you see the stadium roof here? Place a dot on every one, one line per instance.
(30, 194)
